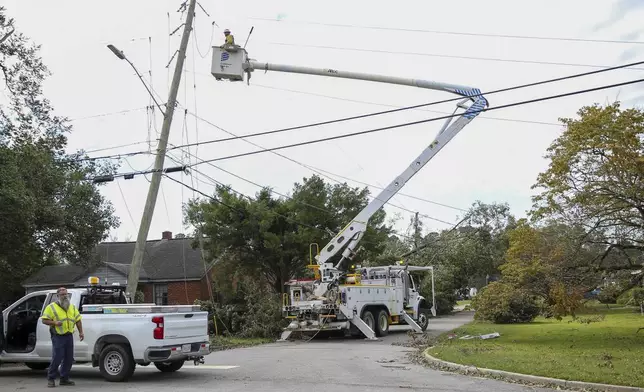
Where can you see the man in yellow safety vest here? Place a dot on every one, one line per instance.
(229, 39)
(62, 316)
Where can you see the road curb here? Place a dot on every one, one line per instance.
(526, 378)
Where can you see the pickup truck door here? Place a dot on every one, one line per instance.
(44, 347)
(43, 337)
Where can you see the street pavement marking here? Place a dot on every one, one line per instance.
(89, 366)
(214, 367)
(218, 367)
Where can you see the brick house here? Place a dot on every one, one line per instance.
(172, 271)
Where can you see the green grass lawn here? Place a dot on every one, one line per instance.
(218, 343)
(607, 351)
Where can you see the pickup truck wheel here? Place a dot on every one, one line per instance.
(116, 363)
(382, 325)
(168, 367)
(37, 365)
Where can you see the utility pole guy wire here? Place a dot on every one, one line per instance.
(148, 212)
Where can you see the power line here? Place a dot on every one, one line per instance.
(398, 106)
(111, 148)
(320, 172)
(295, 221)
(541, 38)
(577, 92)
(113, 156)
(538, 62)
(108, 114)
(248, 197)
(314, 206)
(411, 107)
(310, 125)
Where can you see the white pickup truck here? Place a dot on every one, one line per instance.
(118, 335)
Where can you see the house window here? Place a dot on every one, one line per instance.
(161, 294)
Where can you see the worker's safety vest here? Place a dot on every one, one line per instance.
(230, 40)
(69, 318)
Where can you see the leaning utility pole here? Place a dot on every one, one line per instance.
(148, 212)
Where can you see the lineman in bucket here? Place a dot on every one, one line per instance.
(62, 317)
(229, 38)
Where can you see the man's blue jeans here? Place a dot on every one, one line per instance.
(62, 354)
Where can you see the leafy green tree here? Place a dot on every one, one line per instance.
(49, 212)
(551, 264)
(596, 180)
(273, 235)
(466, 255)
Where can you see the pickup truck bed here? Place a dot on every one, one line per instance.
(118, 335)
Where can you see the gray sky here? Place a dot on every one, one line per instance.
(495, 158)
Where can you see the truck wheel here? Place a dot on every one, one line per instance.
(382, 327)
(37, 365)
(116, 363)
(168, 367)
(423, 319)
(368, 319)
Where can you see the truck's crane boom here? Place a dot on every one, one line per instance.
(233, 62)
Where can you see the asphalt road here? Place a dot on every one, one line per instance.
(353, 365)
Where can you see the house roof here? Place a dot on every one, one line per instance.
(162, 260)
(165, 259)
(56, 274)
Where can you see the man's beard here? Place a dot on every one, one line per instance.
(64, 303)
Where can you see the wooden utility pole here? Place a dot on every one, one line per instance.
(153, 191)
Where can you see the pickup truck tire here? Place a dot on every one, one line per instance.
(169, 367)
(37, 365)
(116, 363)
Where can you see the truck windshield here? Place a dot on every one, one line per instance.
(413, 284)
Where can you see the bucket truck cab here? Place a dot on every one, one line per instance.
(373, 297)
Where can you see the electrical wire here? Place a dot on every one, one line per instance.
(304, 203)
(512, 36)
(313, 206)
(397, 106)
(107, 114)
(440, 55)
(310, 125)
(577, 92)
(418, 106)
(111, 148)
(243, 213)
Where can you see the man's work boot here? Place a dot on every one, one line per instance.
(67, 382)
(51, 383)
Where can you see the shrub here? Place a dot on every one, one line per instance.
(263, 312)
(501, 303)
(258, 316)
(445, 297)
(444, 302)
(564, 300)
(633, 297)
(609, 294)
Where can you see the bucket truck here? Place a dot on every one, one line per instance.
(344, 297)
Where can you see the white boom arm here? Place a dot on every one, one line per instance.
(231, 63)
